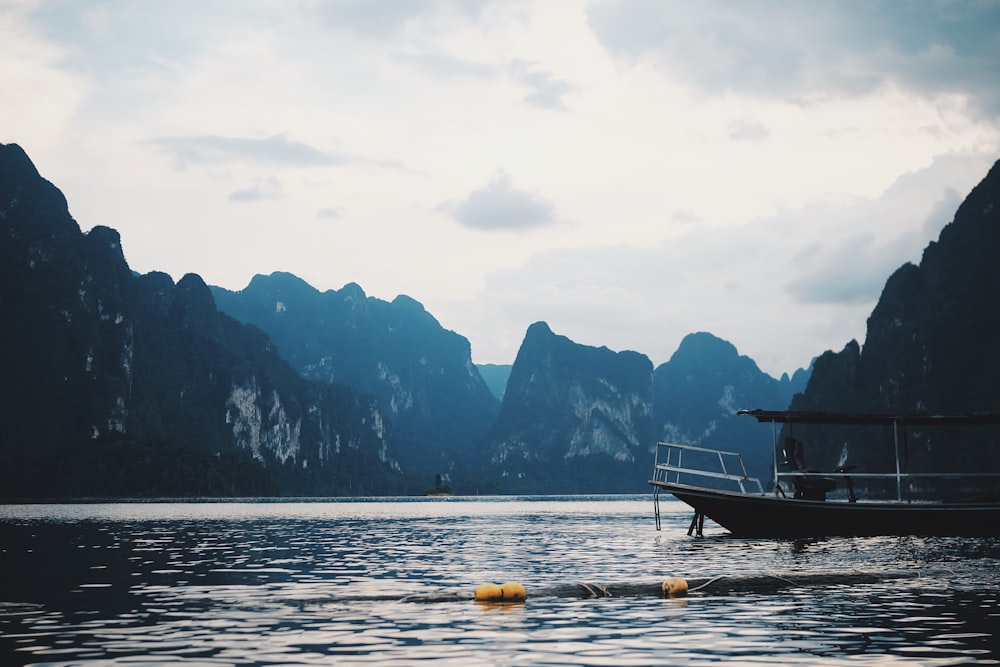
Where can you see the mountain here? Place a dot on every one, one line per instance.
(697, 393)
(930, 347)
(579, 419)
(495, 376)
(422, 374)
(574, 419)
(118, 384)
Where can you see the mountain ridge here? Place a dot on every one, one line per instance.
(133, 377)
(929, 345)
(120, 384)
(421, 373)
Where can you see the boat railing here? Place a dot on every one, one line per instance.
(669, 465)
(906, 486)
(898, 483)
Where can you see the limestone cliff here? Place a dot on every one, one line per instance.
(117, 384)
(574, 419)
(930, 345)
(421, 373)
(698, 392)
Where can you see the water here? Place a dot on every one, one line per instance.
(317, 583)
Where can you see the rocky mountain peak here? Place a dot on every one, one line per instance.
(574, 416)
(421, 374)
(930, 344)
(118, 384)
(15, 165)
(29, 202)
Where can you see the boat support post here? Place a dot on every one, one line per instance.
(697, 524)
(899, 476)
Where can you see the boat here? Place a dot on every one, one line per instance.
(804, 503)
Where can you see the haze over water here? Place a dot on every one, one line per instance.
(302, 583)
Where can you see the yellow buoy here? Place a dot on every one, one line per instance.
(507, 592)
(675, 586)
(486, 592)
(513, 591)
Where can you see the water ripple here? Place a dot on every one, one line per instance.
(308, 583)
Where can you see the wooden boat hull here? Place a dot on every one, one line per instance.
(748, 515)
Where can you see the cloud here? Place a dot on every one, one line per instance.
(274, 150)
(269, 188)
(115, 39)
(847, 250)
(546, 90)
(500, 206)
(943, 212)
(783, 287)
(445, 66)
(852, 269)
(743, 130)
(685, 216)
(675, 128)
(846, 271)
(388, 18)
(793, 49)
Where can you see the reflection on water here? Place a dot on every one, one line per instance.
(321, 582)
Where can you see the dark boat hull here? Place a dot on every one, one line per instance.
(747, 515)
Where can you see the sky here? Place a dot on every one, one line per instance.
(628, 171)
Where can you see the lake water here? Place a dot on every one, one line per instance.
(317, 583)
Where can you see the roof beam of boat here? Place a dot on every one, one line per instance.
(904, 419)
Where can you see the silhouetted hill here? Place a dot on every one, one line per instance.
(697, 393)
(931, 347)
(117, 384)
(422, 374)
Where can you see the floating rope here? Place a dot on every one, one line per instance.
(707, 583)
(761, 584)
(594, 589)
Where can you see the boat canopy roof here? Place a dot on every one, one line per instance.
(903, 419)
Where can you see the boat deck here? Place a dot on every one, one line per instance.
(805, 503)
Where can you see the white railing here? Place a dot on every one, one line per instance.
(669, 461)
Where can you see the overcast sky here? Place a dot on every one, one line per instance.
(629, 171)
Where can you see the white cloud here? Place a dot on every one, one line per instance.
(783, 288)
(547, 91)
(500, 206)
(277, 149)
(445, 66)
(764, 48)
(667, 166)
(268, 188)
(743, 130)
(388, 18)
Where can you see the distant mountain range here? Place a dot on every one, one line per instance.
(421, 373)
(579, 419)
(120, 384)
(495, 376)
